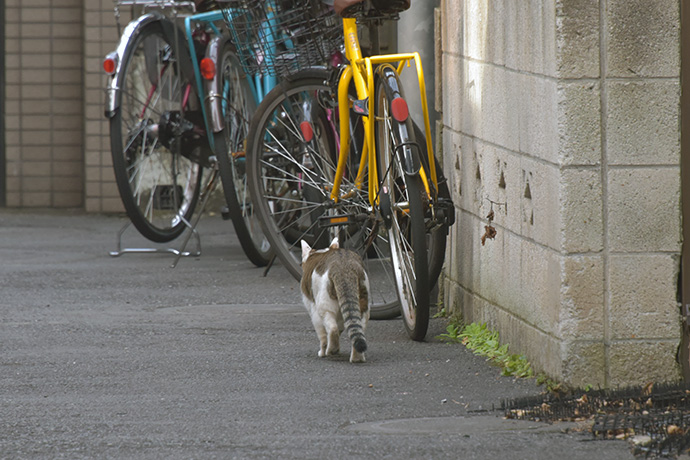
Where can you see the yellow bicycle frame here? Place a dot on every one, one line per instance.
(361, 70)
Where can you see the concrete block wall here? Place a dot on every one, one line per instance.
(101, 37)
(44, 103)
(563, 117)
(57, 139)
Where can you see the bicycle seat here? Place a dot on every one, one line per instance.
(375, 8)
(206, 5)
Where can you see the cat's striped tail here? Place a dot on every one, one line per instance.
(350, 309)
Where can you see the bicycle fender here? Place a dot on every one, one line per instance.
(129, 35)
(212, 88)
(409, 152)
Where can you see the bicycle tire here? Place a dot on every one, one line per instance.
(290, 181)
(230, 145)
(395, 142)
(159, 186)
(436, 237)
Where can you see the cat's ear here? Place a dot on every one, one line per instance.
(334, 244)
(306, 250)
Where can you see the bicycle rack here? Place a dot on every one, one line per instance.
(191, 227)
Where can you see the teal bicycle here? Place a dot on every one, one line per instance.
(179, 103)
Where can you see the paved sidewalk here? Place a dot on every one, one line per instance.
(125, 357)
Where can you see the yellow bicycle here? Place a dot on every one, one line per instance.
(332, 152)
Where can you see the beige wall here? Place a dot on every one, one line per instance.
(101, 37)
(57, 148)
(567, 114)
(44, 103)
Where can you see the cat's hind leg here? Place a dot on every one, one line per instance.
(322, 335)
(357, 357)
(333, 334)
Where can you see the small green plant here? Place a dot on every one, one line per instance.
(485, 342)
(441, 313)
(452, 334)
(550, 385)
(517, 366)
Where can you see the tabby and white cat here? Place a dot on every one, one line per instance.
(335, 290)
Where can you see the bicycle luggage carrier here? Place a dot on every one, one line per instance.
(278, 37)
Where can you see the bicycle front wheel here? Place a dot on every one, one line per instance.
(404, 199)
(292, 153)
(159, 186)
(238, 107)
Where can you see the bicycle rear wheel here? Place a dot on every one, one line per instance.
(403, 197)
(238, 107)
(292, 152)
(158, 185)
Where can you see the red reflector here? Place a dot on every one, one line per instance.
(399, 109)
(109, 66)
(307, 131)
(208, 68)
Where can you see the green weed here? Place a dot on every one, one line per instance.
(485, 342)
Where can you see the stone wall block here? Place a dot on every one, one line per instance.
(537, 134)
(465, 251)
(582, 298)
(581, 211)
(476, 23)
(503, 187)
(577, 38)
(579, 123)
(473, 170)
(496, 110)
(642, 290)
(538, 277)
(491, 262)
(643, 207)
(452, 164)
(584, 363)
(454, 90)
(643, 121)
(540, 209)
(496, 36)
(549, 35)
(530, 36)
(452, 20)
(642, 38)
(521, 277)
(641, 362)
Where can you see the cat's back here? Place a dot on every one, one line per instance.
(332, 264)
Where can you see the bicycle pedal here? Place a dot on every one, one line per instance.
(225, 213)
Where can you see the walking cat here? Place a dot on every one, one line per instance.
(335, 291)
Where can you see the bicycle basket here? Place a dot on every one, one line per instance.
(279, 37)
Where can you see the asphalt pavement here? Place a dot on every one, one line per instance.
(127, 357)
